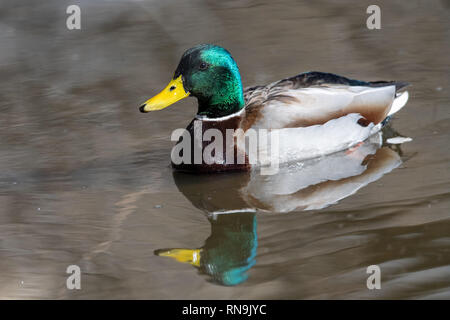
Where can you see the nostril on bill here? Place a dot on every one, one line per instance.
(172, 88)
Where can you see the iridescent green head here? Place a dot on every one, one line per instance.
(210, 74)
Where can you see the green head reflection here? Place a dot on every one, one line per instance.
(228, 253)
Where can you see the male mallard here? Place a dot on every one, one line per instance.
(312, 114)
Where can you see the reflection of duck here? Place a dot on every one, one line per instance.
(310, 184)
(318, 183)
(231, 200)
(228, 253)
(312, 114)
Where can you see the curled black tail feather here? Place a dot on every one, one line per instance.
(399, 85)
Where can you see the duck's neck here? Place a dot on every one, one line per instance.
(228, 98)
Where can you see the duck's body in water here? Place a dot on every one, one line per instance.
(311, 114)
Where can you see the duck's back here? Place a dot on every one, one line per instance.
(314, 98)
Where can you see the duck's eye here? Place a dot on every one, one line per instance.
(203, 66)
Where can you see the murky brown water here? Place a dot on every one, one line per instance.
(85, 178)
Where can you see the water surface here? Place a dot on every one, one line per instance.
(85, 178)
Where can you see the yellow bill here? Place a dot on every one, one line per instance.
(191, 256)
(171, 94)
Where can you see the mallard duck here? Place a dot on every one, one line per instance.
(312, 114)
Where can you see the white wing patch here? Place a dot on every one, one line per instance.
(315, 141)
(319, 104)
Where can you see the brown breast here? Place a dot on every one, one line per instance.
(233, 162)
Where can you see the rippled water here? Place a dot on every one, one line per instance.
(85, 178)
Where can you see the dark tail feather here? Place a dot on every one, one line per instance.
(399, 85)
